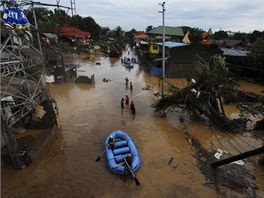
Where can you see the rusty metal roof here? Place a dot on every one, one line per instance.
(73, 32)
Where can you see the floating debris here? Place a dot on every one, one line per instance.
(170, 160)
(146, 88)
(85, 79)
(106, 80)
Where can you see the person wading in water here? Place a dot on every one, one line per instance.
(122, 103)
(126, 79)
(132, 107)
(127, 100)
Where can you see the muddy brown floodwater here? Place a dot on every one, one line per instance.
(89, 113)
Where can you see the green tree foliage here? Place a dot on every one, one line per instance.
(76, 21)
(240, 36)
(186, 29)
(150, 27)
(212, 77)
(130, 36)
(257, 53)
(61, 18)
(118, 32)
(44, 19)
(196, 35)
(104, 30)
(53, 21)
(220, 35)
(202, 97)
(89, 25)
(214, 73)
(42, 14)
(255, 35)
(119, 38)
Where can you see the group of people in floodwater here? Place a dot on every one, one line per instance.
(126, 100)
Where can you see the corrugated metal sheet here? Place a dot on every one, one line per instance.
(170, 31)
(234, 52)
(50, 35)
(73, 32)
(141, 35)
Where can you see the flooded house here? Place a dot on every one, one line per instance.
(74, 35)
(180, 58)
(183, 59)
(180, 55)
(141, 36)
(237, 54)
(171, 33)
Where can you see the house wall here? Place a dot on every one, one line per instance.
(183, 59)
(153, 48)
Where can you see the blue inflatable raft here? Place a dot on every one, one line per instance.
(123, 145)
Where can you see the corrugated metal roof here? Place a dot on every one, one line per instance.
(234, 52)
(50, 35)
(232, 43)
(141, 35)
(171, 44)
(73, 32)
(170, 31)
(143, 42)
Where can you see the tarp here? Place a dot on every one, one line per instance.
(14, 16)
(171, 44)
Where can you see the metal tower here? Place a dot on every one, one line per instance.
(23, 83)
(73, 7)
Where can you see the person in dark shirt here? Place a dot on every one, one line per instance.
(128, 165)
(126, 81)
(127, 100)
(132, 107)
(111, 143)
(122, 103)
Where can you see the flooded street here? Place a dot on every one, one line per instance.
(89, 112)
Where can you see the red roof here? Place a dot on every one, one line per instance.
(206, 38)
(141, 35)
(73, 32)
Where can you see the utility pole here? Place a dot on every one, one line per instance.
(163, 46)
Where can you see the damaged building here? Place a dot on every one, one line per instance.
(28, 113)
